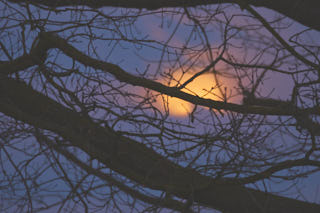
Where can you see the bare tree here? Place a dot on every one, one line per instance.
(89, 89)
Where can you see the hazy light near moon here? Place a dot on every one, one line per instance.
(203, 86)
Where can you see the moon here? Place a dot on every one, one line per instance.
(204, 86)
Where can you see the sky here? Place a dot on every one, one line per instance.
(175, 31)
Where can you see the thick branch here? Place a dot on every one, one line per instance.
(164, 202)
(134, 160)
(305, 12)
(55, 41)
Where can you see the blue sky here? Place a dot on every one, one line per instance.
(135, 58)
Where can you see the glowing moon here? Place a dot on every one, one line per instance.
(203, 86)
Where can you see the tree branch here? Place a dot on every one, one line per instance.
(55, 41)
(304, 12)
(164, 202)
(134, 160)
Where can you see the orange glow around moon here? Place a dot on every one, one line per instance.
(203, 86)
